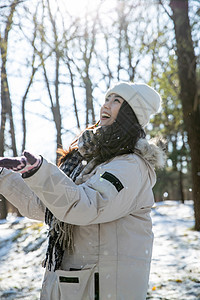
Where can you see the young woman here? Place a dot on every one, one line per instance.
(97, 203)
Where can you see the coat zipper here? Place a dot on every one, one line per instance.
(96, 275)
(96, 286)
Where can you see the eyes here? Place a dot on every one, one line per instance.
(114, 100)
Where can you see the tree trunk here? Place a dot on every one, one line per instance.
(3, 114)
(3, 208)
(12, 128)
(23, 107)
(188, 94)
(90, 116)
(6, 104)
(73, 93)
(5, 93)
(181, 186)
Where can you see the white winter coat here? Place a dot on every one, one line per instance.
(113, 236)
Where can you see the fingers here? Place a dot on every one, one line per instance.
(21, 165)
(30, 158)
(10, 163)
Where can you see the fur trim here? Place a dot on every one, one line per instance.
(153, 151)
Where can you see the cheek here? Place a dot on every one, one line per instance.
(116, 111)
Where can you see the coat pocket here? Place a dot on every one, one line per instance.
(76, 285)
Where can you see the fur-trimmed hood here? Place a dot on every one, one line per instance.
(153, 151)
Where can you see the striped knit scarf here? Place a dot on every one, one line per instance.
(78, 163)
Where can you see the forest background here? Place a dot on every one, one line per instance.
(58, 57)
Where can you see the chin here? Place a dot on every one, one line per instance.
(105, 122)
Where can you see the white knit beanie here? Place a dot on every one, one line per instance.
(143, 99)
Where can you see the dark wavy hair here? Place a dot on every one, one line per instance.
(115, 139)
(121, 136)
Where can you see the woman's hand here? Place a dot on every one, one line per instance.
(23, 164)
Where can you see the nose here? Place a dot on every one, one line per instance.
(107, 104)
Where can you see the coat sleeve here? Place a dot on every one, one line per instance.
(17, 192)
(111, 193)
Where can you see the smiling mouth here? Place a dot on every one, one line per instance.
(105, 116)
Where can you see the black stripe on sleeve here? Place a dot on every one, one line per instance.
(114, 180)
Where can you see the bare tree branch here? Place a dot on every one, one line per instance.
(162, 4)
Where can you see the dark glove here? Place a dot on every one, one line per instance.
(23, 164)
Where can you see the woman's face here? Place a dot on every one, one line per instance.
(110, 109)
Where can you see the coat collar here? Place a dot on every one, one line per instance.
(153, 151)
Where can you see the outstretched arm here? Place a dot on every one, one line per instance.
(108, 195)
(16, 191)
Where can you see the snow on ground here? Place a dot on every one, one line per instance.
(22, 249)
(175, 270)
